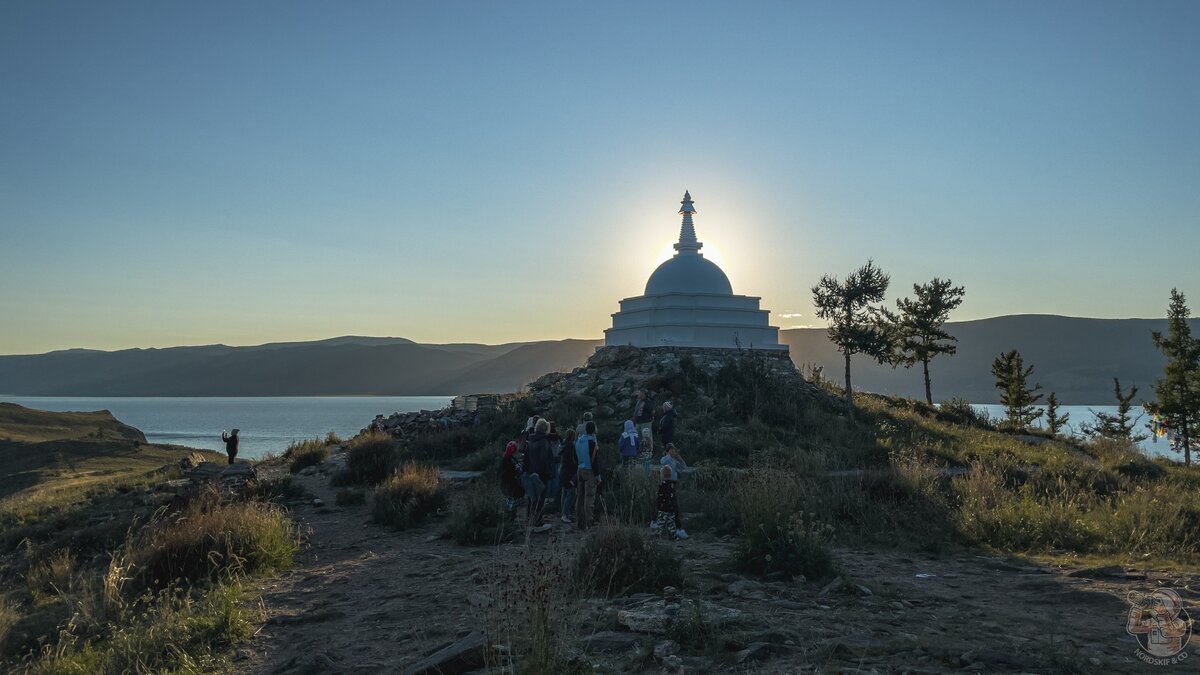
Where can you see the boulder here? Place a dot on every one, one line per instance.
(609, 641)
(460, 657)
(751, 590)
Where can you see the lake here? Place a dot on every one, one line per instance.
(1086, 413)
(266, 423)
(270, 423)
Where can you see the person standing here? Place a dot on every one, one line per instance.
(666, 425)
(537, 474)
(554, 487)
(628, 445)
(580, 429)
(674, 461)
(666, 504)
(510, 479)
(231, 444)
(586, 475)
(643, 419)
(566, 476)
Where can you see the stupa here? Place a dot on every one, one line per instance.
(689, 302)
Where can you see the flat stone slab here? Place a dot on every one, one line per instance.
(448, 475)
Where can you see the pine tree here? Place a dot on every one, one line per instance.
(1116, 425)
(854, 324)
(1054, 421)
(1018, 399)
(1177, 394)
(916, 331)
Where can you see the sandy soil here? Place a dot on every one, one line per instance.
(365, 598)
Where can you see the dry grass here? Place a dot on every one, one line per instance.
(409, 497)
(301, 454)
(210, 540)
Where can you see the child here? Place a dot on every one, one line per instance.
(510, 479)
(664, 522)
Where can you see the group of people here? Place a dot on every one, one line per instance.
(543, 466)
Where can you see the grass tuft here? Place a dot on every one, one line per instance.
(409, 497)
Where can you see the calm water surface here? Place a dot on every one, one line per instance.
(270, 423)
(267, 423)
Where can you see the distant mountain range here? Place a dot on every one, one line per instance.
(1075, 357)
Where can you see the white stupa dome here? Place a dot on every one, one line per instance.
(688, 274)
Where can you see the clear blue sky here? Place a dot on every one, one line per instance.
(184, 173)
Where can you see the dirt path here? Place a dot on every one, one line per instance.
(364, 598)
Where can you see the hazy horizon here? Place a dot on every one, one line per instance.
(509, 342)
(243, 174)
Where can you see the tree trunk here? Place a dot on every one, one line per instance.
(849, 394)
(1187, 444)
(928, 393)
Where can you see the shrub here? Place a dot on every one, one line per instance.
(477, 518)
(615, 560)
(775, 536)
(349, 496)
(209, 540)
(448, 444)
(370, 459)
(630, 495)
(960, 411)
(51, 576)
(409, 497)
(307, 453)
(331, 438)
(171, 631)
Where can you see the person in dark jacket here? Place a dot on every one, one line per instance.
(643, 420)
(566, 476)
(231, 444)
(666, 425)
(538, 465)
(510, 479)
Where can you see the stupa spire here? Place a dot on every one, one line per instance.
(687, 231)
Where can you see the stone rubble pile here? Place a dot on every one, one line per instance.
(612, 376)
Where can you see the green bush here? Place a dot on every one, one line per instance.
(630, 496)
(409, 497)
(776, 536)
(448, 444)
(370, 459)
(615, 560)
(209, 540)
(477, 519)
(301, 454)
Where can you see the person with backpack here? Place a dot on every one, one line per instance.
(586, 475)
(628, 446)
(566, 476)
(538, 463)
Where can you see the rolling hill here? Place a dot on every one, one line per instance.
(1075, 357)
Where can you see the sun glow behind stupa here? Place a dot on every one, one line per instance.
(689, 302)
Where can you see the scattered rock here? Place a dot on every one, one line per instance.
(318, 502)
(745, 588)
(672, 665)
(608, 642)
(1107, 572)
(654, 616)
(863, 590)
(463, 656)
(664, 649)
(757, 651)
(830, 586)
